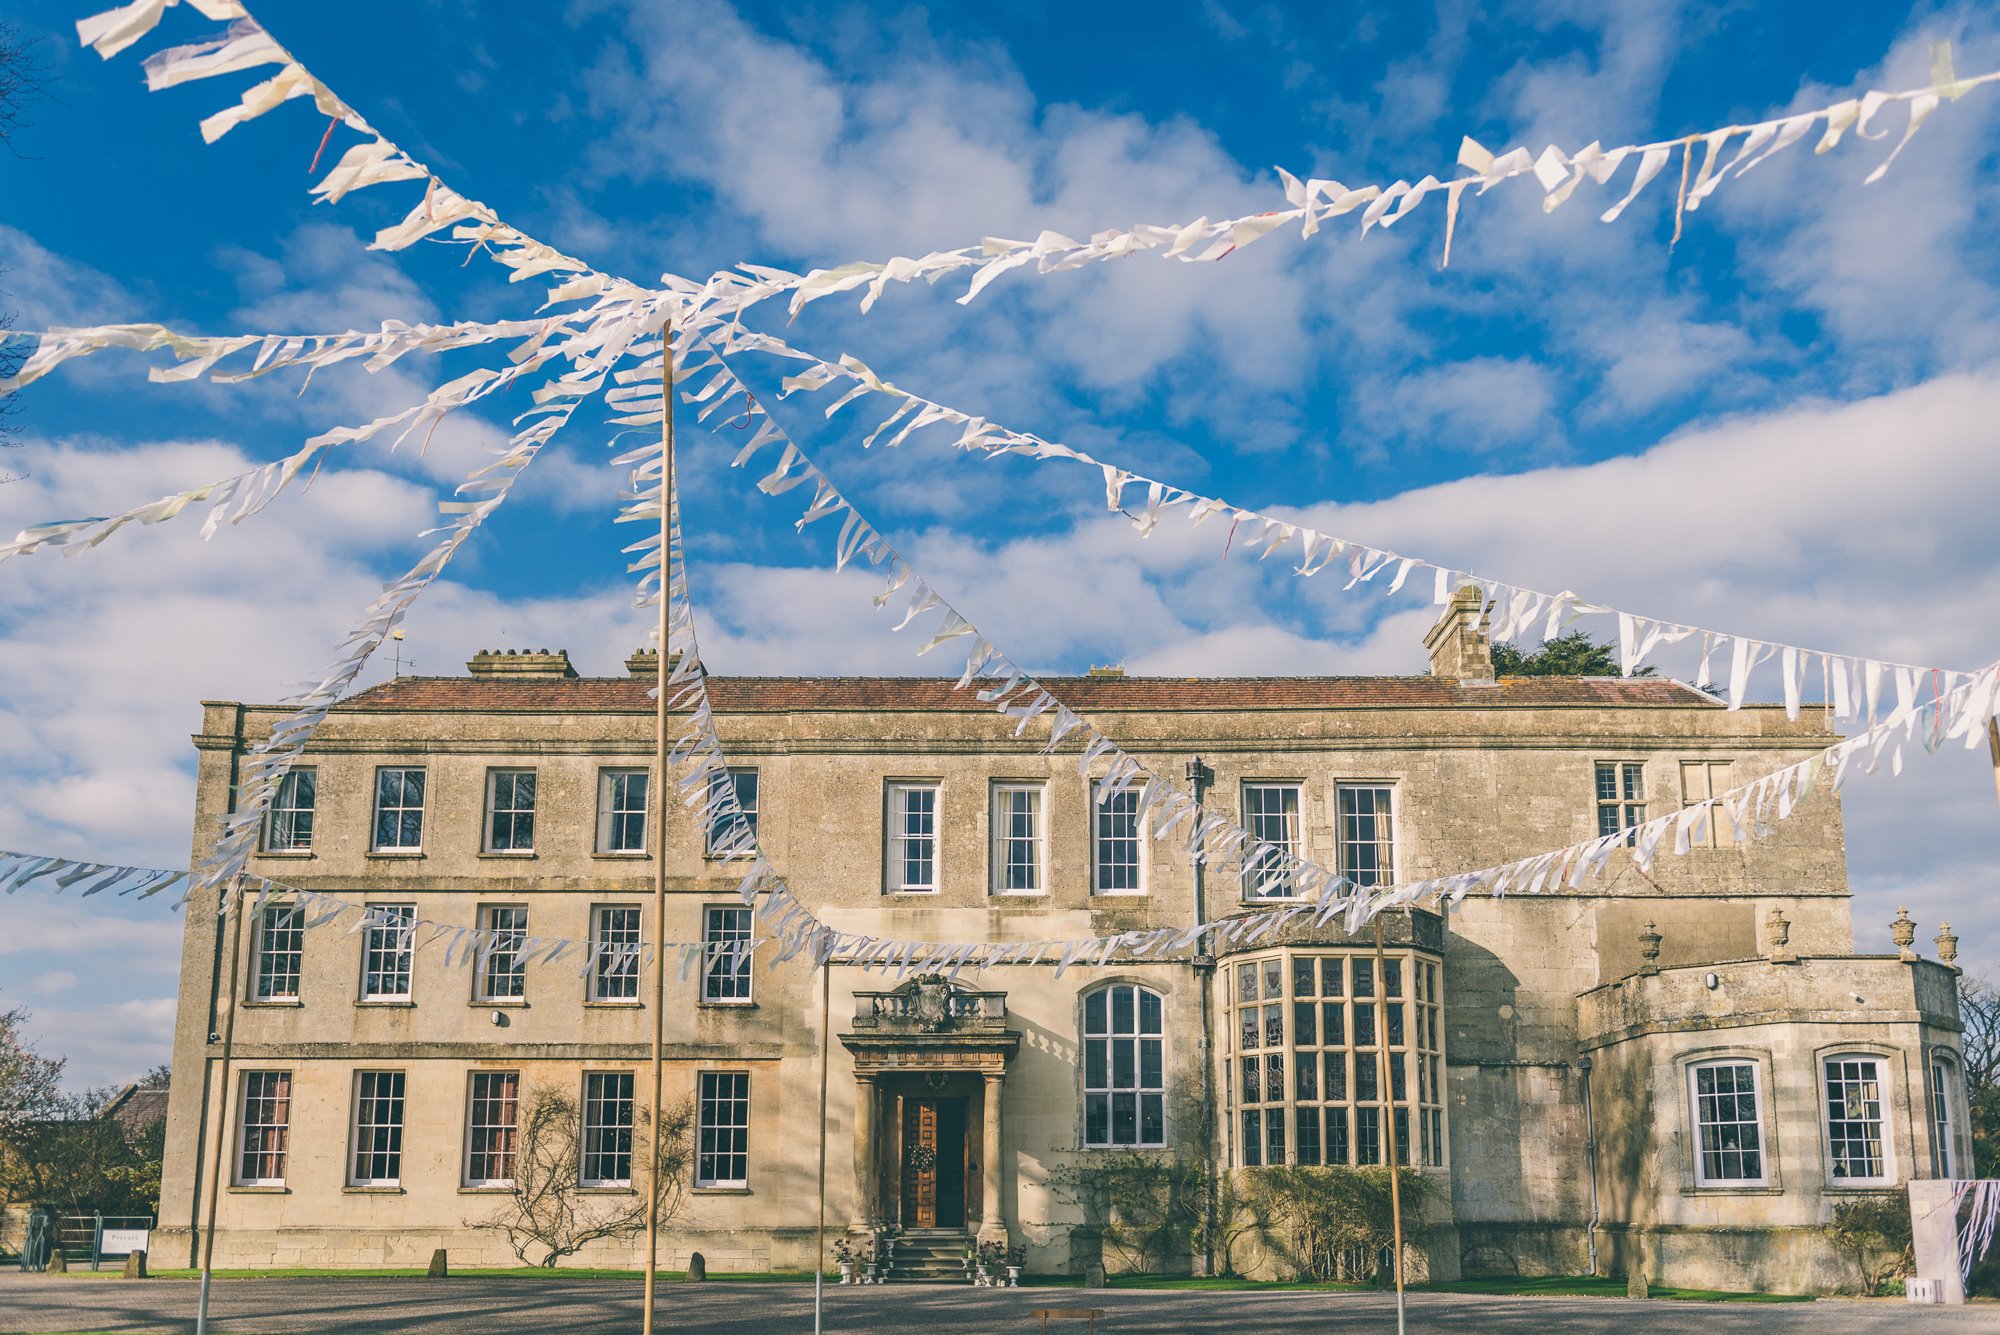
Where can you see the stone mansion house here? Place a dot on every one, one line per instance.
(1684, 1069)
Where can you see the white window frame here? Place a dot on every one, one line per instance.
(895, 839)
(1622, 804)
(243, 1127)
(1699, 1144)
(585, 1126)
(1284, 878)
(375, 941)
(375, 844)
(1944, 1125)
(715, 843)
(1340, 840)
(260, 952)
(488, 955)
(473, 1127)
(1142, 864)
(1884, 1120)
(356, 1150)
(610, 813)
(600, 963)
(1109, 1089)
(705, 1153)
(719, 969)
(1001, 840)
(285, 805)
(493, 811)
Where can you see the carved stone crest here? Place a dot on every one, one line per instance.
(930, 1003)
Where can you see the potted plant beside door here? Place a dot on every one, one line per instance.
(843, 1253)
(1016, 1256)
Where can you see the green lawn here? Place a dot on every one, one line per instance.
(1599, 1286)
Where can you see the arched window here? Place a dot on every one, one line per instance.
(1124, 1067)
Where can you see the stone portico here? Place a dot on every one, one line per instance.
(930, 1059)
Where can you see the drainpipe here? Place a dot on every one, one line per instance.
(1590, 1153)
(1199, 776)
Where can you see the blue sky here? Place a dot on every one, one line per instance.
(1780, 426)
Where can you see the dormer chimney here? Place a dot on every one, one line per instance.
(1458, 643)
(522, 664)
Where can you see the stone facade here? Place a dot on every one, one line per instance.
(957, 1106)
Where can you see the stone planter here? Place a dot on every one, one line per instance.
(847, 1272)
(1013, 1277)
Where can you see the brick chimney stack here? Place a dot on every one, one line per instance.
(522, 664)
(1458, 644)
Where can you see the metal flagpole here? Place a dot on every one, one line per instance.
(1389, 1119)
(660, 817)
(819, 1253)
(222, 1113)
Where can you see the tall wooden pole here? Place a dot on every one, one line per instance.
(222, 1105)
(819, 1251)
(1389, 1119)
(660, 817)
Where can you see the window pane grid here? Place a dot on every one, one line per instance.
(387, 950)
(1115, 819)
(378, 1128)
(291, 825)
(607, 1129)
(511, 811)
(723, 1151)
(1017, 839)
(1124, 1067)
(621, 799)
(503, 973)
(266, 1127)
(280, 946)
(1854, 1118)
(735, 835)
(1367, 834)
(725, 975)
(1728, 1125)
(913, 837)
(1941, 1138)
(492, 1128)
(399, 809)
(1324, 1080)
(1621, 796)
(614, 951)
(1271, 813)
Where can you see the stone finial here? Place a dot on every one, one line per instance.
(1778, 928)
(1947, 944)
(1459, 644)
(1904, 932)
(1649, 949)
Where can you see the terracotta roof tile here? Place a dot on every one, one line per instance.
(787, 694)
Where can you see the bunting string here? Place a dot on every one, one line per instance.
(1853, 687)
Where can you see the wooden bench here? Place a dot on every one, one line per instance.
(1085, 1314)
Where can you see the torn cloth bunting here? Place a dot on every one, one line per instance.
(1852, 686)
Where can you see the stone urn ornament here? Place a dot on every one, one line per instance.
(1903, 931)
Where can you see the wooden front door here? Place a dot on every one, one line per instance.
(933, 1163)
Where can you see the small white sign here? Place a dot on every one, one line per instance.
(124, 1241)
